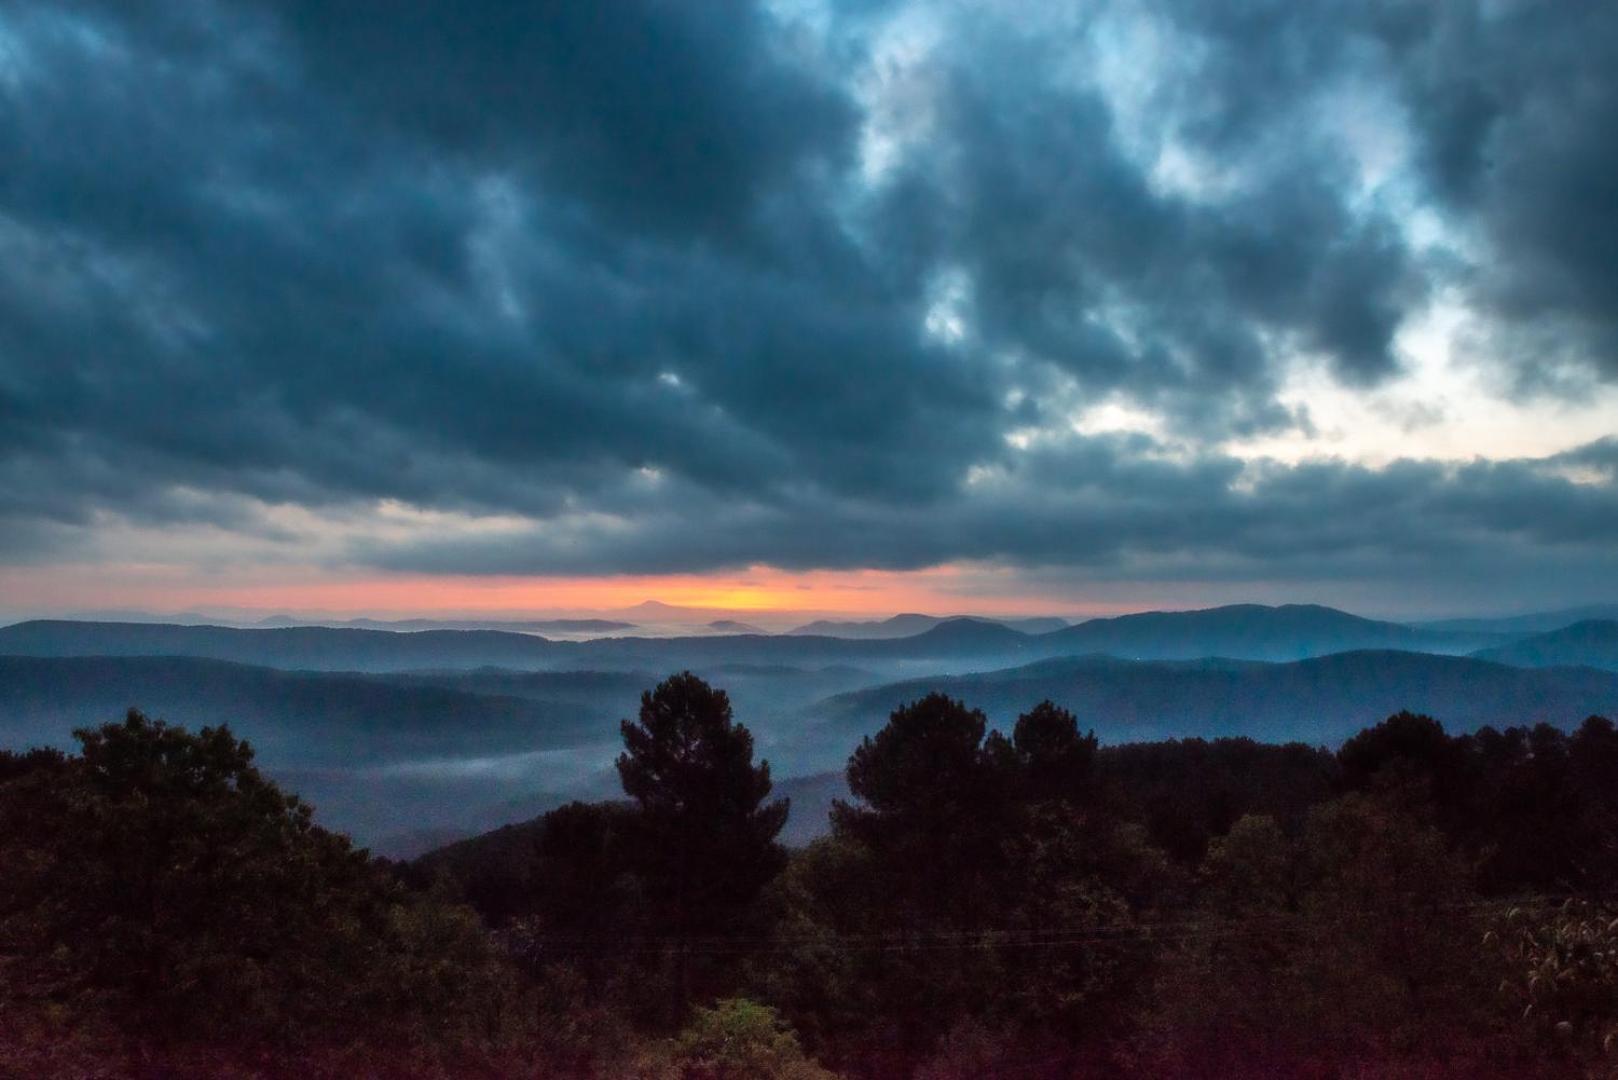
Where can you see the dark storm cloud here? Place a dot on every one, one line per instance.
(671, 115)
(263, 288)
(1108, 506)
(1509, 104)
(619, 270)
(1082, 261)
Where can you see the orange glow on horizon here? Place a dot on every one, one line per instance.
(758, 591)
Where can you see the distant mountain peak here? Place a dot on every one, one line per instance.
(968, 629)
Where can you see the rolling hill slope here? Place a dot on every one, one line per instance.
(909, 624)
(1321, 700)
(1248, 632)
(315, 648)
(301, 648)
(376, 756)
(1535, 622)
(1593, 643)
(292, 718)
(1252, 632)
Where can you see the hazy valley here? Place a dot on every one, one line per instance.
(405, 737)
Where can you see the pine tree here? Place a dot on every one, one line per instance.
(706, 836)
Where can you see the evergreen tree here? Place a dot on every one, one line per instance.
(1057, 762)
(158, 881)
(705, 841)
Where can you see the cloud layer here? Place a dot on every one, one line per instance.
(682, 287)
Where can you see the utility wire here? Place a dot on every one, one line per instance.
(1268, 925)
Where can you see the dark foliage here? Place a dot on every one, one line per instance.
(1188, 791)
(158, 885)
(706, 834)
(1031, 905)
(1536, 808)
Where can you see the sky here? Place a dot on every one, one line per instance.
(402, 307)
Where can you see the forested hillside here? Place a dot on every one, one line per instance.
(1591, 643)
(1321, 700)
(1019, 902)
(916, 643)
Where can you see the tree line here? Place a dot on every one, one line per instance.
(1018, 903)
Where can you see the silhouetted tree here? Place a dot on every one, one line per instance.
(1189, 791)
(984, 904)
(1057, 762)
(933, 806)
(1594, 749)
(159, 882)
(1407, 741)
(705, 841)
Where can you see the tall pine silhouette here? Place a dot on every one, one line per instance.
(705, 834)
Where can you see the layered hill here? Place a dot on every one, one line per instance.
(1320, 700)
(318, 648)
(395, 757)
(909, 624)
(1249, 632)
(522, 626)
(380, 757)
(1534, 622)
(296, 718)
(304, 648)
(1592, 643)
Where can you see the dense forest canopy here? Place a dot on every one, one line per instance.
(1028, 902)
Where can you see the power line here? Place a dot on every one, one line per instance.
(1269, 924)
